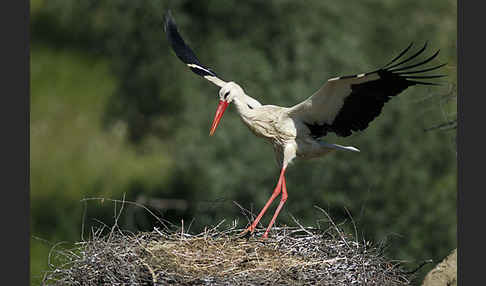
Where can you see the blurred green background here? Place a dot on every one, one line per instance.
(114, 113)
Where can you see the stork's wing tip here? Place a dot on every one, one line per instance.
(185, 53)
(168, 20)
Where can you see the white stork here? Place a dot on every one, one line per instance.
(342, 105)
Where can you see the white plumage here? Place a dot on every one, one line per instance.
(342, 105)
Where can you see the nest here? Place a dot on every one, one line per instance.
(290, 256)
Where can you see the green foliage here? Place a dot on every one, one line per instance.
(137, 121)
(71, 157)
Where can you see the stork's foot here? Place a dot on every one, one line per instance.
(250, 230)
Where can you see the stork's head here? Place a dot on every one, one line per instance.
(226, 95)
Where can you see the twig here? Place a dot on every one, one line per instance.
(301, 227)
(354, 225)
(131, 203)
(335, 227)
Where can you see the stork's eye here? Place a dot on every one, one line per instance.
(226, 94)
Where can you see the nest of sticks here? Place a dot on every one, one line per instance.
(220, 256)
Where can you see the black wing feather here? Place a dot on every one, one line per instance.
(417, 64)
(410, 58)
(400, 55)
(420, 71)
(182, 50)
(367, 99)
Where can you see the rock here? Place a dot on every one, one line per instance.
(445, 273)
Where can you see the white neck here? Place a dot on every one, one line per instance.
(245, 104)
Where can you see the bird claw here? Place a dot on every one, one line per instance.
(247, 232)
(249, 229)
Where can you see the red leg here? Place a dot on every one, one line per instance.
(283, 199)
(276, 192)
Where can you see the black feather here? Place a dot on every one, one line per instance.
(417, 64)
(420, 71)
(400, 55)
(182, 50)
(410, 58)
(427, 76)
(366, 100)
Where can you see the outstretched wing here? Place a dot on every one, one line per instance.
(186, 54)
(349, 103)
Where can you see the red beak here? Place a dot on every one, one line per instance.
(219, 114)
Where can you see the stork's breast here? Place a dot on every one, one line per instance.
(286, 130)
(258, 127)
(270, 122)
